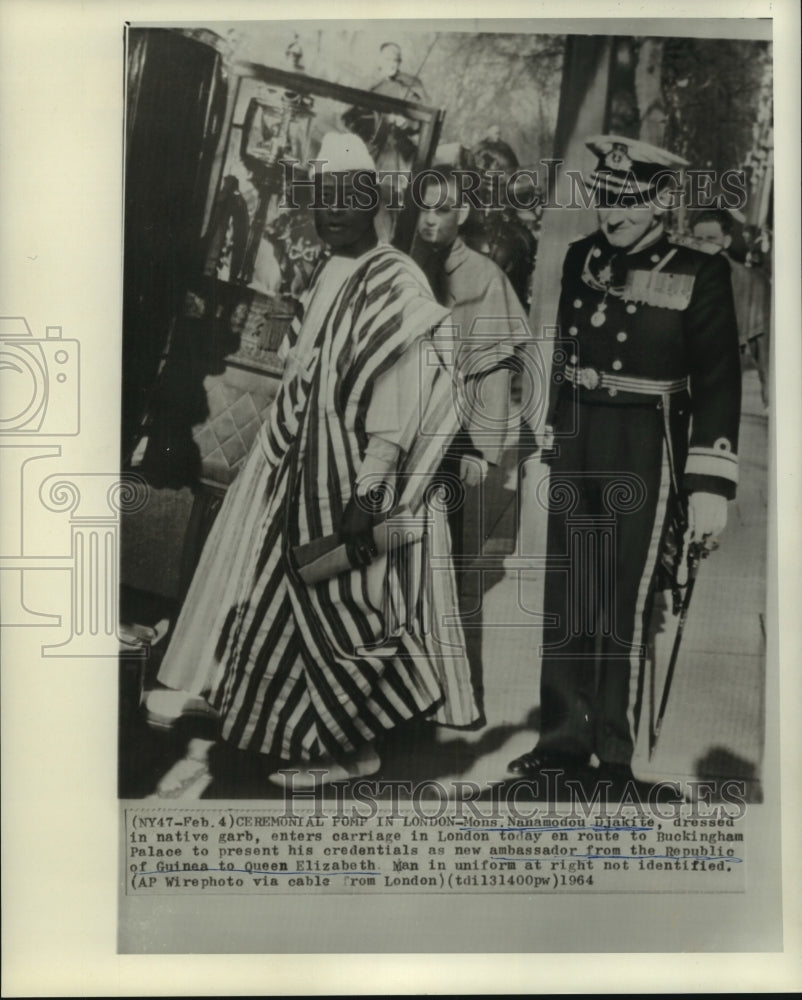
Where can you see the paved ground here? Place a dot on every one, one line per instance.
(714, 723)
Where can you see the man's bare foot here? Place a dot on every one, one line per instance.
(189, 777)
(363, 763)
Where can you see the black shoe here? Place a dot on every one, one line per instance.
(542, 760)
(617, 773)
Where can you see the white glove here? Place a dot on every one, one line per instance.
(472, 470)
(707, 515)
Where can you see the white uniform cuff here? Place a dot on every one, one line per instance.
(716, 461)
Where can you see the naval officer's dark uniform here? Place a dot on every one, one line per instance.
(646, 411)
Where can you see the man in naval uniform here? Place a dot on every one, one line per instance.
(645, 415)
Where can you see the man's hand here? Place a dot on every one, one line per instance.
(356, 531)
(707, 515)
(473, 469)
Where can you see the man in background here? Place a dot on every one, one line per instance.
(751, 289)
(488, 324)
(391, 138)
(395, 141)
(395, 82)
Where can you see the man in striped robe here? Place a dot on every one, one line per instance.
(312, 674)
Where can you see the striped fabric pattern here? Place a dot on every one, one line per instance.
(298, 670)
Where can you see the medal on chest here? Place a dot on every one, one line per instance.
(598, 318)
(659, 288)
(601, 281)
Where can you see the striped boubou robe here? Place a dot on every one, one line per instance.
(300, 670)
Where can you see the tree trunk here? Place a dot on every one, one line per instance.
(649, 91)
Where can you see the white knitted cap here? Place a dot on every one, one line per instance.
(340, 152)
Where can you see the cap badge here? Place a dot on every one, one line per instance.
(617, 159)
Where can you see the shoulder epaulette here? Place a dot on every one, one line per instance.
(581, 238)
(692, 243)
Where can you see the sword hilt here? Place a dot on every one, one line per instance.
(697, 551)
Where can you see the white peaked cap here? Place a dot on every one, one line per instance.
(342, 151)
(634, 150)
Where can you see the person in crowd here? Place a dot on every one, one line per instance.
(645, 417)
(394, 81)
(752, 291)
(488, 324)
(391, 137)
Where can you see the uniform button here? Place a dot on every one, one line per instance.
(631, 308)
(573, 330)
(621, 337)
(617, 366)
(655, 257)
(574, 359)
(596, 252)
(577, 303)
(612, 392)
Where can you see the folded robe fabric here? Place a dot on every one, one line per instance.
(297, 669)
